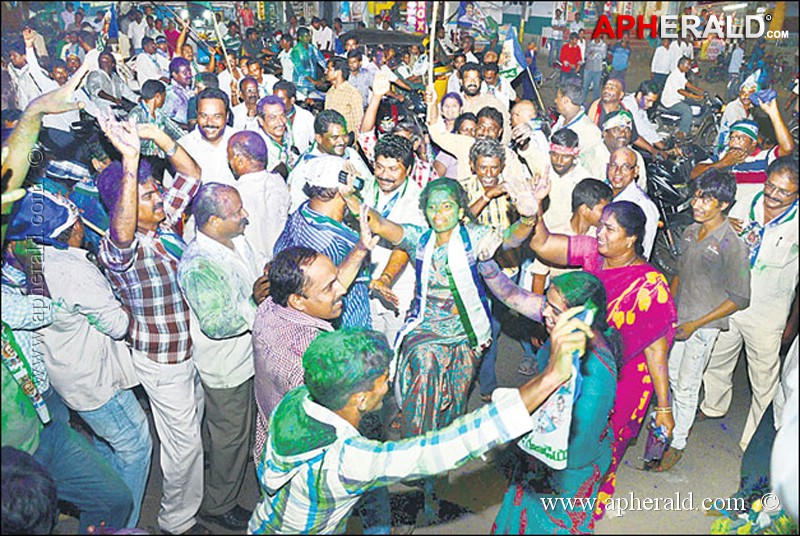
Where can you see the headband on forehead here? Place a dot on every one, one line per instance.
(622, 118)
(746, 127)
(563, 149)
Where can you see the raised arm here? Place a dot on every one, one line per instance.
(524, 302)
(124, 215)
(180, 159)
(22, 139)
(785, 140)
(351, 265)
(378, 225)
(380, 87)
(549, 247)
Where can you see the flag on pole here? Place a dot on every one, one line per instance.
(512, 60)
(113, 26)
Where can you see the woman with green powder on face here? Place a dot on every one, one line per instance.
(448, 326)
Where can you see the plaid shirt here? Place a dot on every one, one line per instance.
(346, 100)
(145, 276)
(162, 121)
(313, 491)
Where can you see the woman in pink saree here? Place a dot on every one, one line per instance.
(640, 307)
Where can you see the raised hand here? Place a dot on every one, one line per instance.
(123, 135)
(28, 36)
(522, 195)
(368, 240)
(148, 131)
(60, 100)
(381, 85)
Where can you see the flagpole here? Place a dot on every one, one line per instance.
(430, 50)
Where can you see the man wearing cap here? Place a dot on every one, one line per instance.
(736, 110)
(96, 381)
(618, 132)
(744, 158)
(317, 224)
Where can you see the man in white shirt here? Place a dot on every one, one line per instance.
(675, 54)
(208, 142)
(68, 15)
(687, 48)
(395, 196)
(285, 57)
(496, 85)
(660, 64)
(265, 195)
(637, 104)
(216, 276)
(245, 114)
(323, 35)
(96, 381)
(467, 44)
(454, 80)
(301, 121)
(565, 173)
(265, 81)
(148, 66)
(137, 30)
(622, 173)
(568, 101)
(676, 89)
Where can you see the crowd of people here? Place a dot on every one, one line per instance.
(267, 253)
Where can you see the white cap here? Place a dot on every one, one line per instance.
(323, 171)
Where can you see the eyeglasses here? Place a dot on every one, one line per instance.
(625, 168)
(779, 192)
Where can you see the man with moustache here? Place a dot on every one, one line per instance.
(474, 100)
(300, 120)
(306, 293)
(141, 252)
(216, 275)
(622, 172)
(330, 138)
(565, 173)
(617, 128)
(273, 123)
(767, 221)
(245, 114)
(208, 142)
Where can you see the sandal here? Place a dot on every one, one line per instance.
(486, 398)
(528, 366)
(671, 457)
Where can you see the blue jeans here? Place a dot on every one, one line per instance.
(123, 439)
(591, 79)
(83, 477)
(555, 51)
(660, 79)
(487, 376)
(685, 112)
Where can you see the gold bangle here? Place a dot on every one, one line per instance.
(667, 409)
(486, 198)
(529, 221)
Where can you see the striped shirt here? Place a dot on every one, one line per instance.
(145, 277)
(311, 229)
(751, 174)
(314, 491)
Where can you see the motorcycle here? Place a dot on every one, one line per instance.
(705, 121)
(668, 185)
(718, 71)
